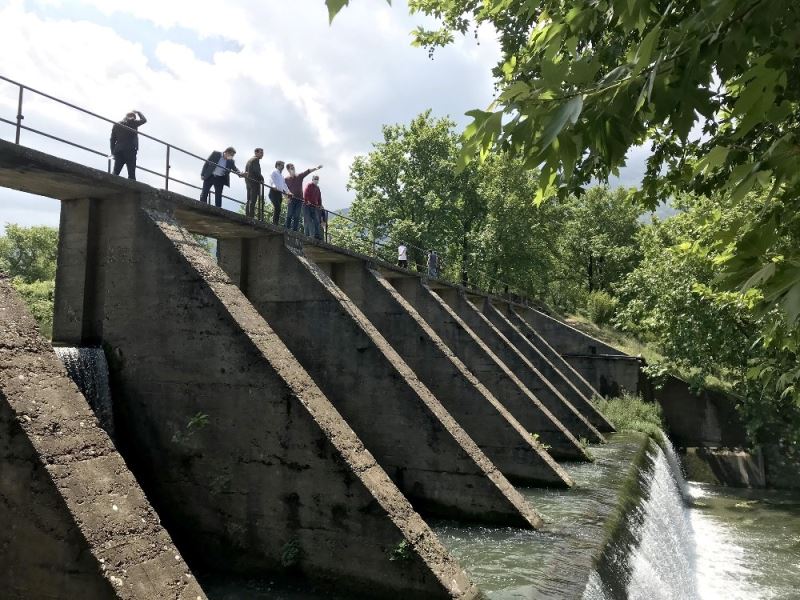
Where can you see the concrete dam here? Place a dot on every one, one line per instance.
(294, 411)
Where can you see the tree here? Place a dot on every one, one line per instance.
(28, 256)
(29, 253)
(407, 191)
(599, 243)
(713, 86)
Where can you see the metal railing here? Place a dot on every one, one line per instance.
(170, 148)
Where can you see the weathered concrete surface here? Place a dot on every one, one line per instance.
(549, 352)
(507, 444)
(611, 374)
(559, 406)
(73, 521)
(419, 444)
(564, 338)
(546, 369)
(724, 466)
(490, 370)
(249, 465)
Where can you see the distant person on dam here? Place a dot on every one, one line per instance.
(295, 184)
(253, 181)
(277, 190)
(323, 223)
(125, 142)
(433, 263)
(402, 256)
(312, 197)
(217, 172)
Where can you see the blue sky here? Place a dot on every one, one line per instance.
(209, 74)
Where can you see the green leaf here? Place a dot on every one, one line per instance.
(567, 113)
(334, 6)
(715, 158)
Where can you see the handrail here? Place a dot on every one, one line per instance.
(166, 176)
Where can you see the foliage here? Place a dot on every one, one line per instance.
(38, 297)
(483, 221)
(291, 554)
(28, 256)
(29, 253)
(402, 552)
(712, 86)
(630, 413)
(601, 307)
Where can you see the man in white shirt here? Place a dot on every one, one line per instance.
(402, 256)
(277, 191)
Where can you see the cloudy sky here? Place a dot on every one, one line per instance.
(242, 73)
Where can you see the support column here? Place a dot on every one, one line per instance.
(521, 366)
(482, 416)
(250, 467)
(490, 370)
(547, 369)
(423, 449)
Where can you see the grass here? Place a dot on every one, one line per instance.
(630, 413)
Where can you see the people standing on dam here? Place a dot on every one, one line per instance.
(433, 263)
(402, 256)
(277, 190)
(217, 172)
(253, 182)
(312, 197)
(295, 184)
(125, 142)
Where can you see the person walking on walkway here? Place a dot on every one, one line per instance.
(277, 190)
(295, 184)
(125, 142)
(217, 172)
(433, 263)
(252, 172)
(312, 204)
(402, 256)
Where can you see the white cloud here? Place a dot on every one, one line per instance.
(306, 91)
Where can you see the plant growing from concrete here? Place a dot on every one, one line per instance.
(538, 442)
(291, 553)
(630, 413)
(401, 551)
(197, 422)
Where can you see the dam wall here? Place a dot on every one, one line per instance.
(293, 407)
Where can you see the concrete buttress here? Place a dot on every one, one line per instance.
(249, 465)
(507, 444)
(417, 442)
(551, 353)
(74, 523)
(561, 381)
(547, 394)
(490, 370)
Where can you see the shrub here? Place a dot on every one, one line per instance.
(38, 297)
(601, 307)
(630, 413)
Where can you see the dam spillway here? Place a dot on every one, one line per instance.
(295, 408)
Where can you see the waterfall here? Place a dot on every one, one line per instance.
(678, 553)
(88, 368)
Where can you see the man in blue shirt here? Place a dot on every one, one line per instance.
(217, 172)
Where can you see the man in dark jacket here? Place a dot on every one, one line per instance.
(217, 172)
(125, 142)
(252, 171)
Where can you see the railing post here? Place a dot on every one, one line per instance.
(109, 164)
(19, 115)
(166, 171)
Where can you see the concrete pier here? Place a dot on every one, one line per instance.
(419, 444)
(501, 381)
(483, 417)
(577, 379)
(562, 384)
(74, 523)
(543, 389)
(248, 464)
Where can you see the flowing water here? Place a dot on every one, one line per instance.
(687, 541)
(87, 367)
